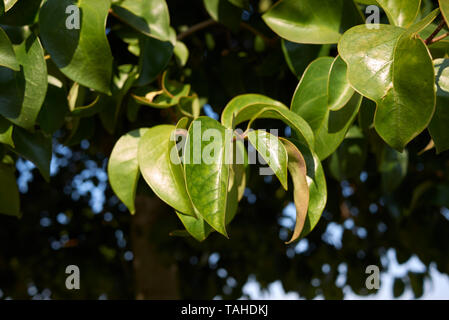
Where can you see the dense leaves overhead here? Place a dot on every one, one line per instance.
(68, 68)
(129, 86)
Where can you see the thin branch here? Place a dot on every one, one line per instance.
(431, 39)
(440, 38)
(196, 27)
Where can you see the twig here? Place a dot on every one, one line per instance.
(431, 39)
(440, 38)
(196, 27)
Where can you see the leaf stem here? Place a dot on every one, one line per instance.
(431, 39)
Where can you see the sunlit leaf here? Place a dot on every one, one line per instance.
(123, 167)
(207, 170)
(318, 21)
(157, 166)
(298, 172)
(392, 67)
(83, 55)
(272, 151)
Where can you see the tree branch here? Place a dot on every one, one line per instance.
(431, 39)
(195, 28)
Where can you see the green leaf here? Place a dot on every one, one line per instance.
(35, 147)
(274, 111)
(6, 129)
(242, 101)
(272, 151)
(348, 161)
(298, 56)
(438, 125)
(244, 4)
(237, 179)
(317, 187)
(310, 98)
(392, 67)
(55, 108)
(22, 93)
(157, 166)
(82, 55)
(393, 168)
(21, 13)
(7, 55)
(190, 106)
(444, 7)
(123, 167)
(298, 172)
(318, 21)
(181, 52)
(401, 13)
(154, 58)
(206, 166)
(150, 17)
(9, 194)
(196, 227)
(163, 98)
(338, 88)
(9, 4)
(310, 101)
(224, 12)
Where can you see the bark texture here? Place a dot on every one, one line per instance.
(154, 279)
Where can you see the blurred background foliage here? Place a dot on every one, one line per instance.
(76, 219)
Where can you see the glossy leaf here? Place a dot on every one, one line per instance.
(7, 55)
(6, 129)
(181, 52)
(272, 151)
(20, 13)
(165, 178)
(268, 111)
(338, 87)
(444, 7)
(392, 67)
(9, 4)
(9, 194)
(82, 55)
(224, 12)
(298, 55)
(154, 58)
(151, 17)
(242, 101)
(438, 126)
(310, 102)
(123, 167)
(22, 93)
(317, 187)
(401, 13)
(207, 170)
(54, 109)
(35, 147)
(318, 21)
(298, 172)
(196, 227)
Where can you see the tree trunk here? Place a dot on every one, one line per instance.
(153, 278)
